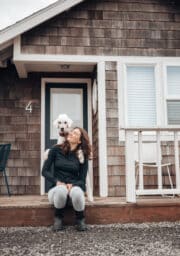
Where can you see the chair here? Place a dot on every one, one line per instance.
(4, 154)
(149, 159)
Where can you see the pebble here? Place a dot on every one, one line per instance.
(147, 239)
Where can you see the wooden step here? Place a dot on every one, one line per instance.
(36, 211)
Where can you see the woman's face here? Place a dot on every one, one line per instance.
(74, 136)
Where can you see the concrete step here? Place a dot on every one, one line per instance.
(36, 211)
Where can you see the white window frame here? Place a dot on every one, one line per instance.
(166, 96)
(160, 64)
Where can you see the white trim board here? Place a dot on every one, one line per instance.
(103, 176)
(36, 19)
(56, 58)
(64, 80)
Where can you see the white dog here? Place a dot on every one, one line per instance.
(64, 125)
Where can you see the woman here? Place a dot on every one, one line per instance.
(69, 178)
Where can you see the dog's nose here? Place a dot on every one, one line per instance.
(62, 129)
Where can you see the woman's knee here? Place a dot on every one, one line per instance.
(60, 197)
(78, 199)
(51, 195)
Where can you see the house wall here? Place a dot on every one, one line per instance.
(115, 151)
(6, 54)
(22, 130)
(111, 28)
(106, 27)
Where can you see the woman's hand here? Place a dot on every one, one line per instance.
(69, 186)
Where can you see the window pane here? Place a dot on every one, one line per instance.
(66, 101)
(173, 109)
(141, 96)
(173, 80)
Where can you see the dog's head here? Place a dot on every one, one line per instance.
(63, 123)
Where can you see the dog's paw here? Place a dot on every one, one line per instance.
(80, 156)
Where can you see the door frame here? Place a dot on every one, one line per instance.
(89, 106)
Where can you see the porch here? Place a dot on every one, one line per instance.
(36, 210)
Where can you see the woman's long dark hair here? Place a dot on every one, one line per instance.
(85, 145)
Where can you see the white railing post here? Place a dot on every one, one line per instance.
(177, 167)
(103, 173)
(140, 159)
(130, 167)
(159, 157)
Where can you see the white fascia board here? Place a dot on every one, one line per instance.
(55, 58)
(36, 19)
(135, 60)
(89, 59)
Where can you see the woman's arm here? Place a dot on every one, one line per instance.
(46, 170)
(82, 176)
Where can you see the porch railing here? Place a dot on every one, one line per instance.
(159, 135)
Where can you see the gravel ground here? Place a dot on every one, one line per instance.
(118, 239)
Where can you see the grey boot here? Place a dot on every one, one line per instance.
(58, 220)
(81, 225)
(80, 221)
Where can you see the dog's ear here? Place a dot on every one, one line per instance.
(55, 123)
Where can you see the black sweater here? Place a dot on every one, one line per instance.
(67, 168)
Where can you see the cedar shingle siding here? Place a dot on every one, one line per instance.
(115, 159)
(134, 27)
(120, 27)
(22, 130)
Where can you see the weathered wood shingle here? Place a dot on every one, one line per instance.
(22, 130)
(144, 28)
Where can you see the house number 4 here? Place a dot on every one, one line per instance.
(29, 107)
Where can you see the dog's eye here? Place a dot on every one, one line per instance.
(65, 122)
(59, 122)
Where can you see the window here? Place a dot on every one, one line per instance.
(173, 95)
(149, 92)
(62, 100)
(141, 96)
